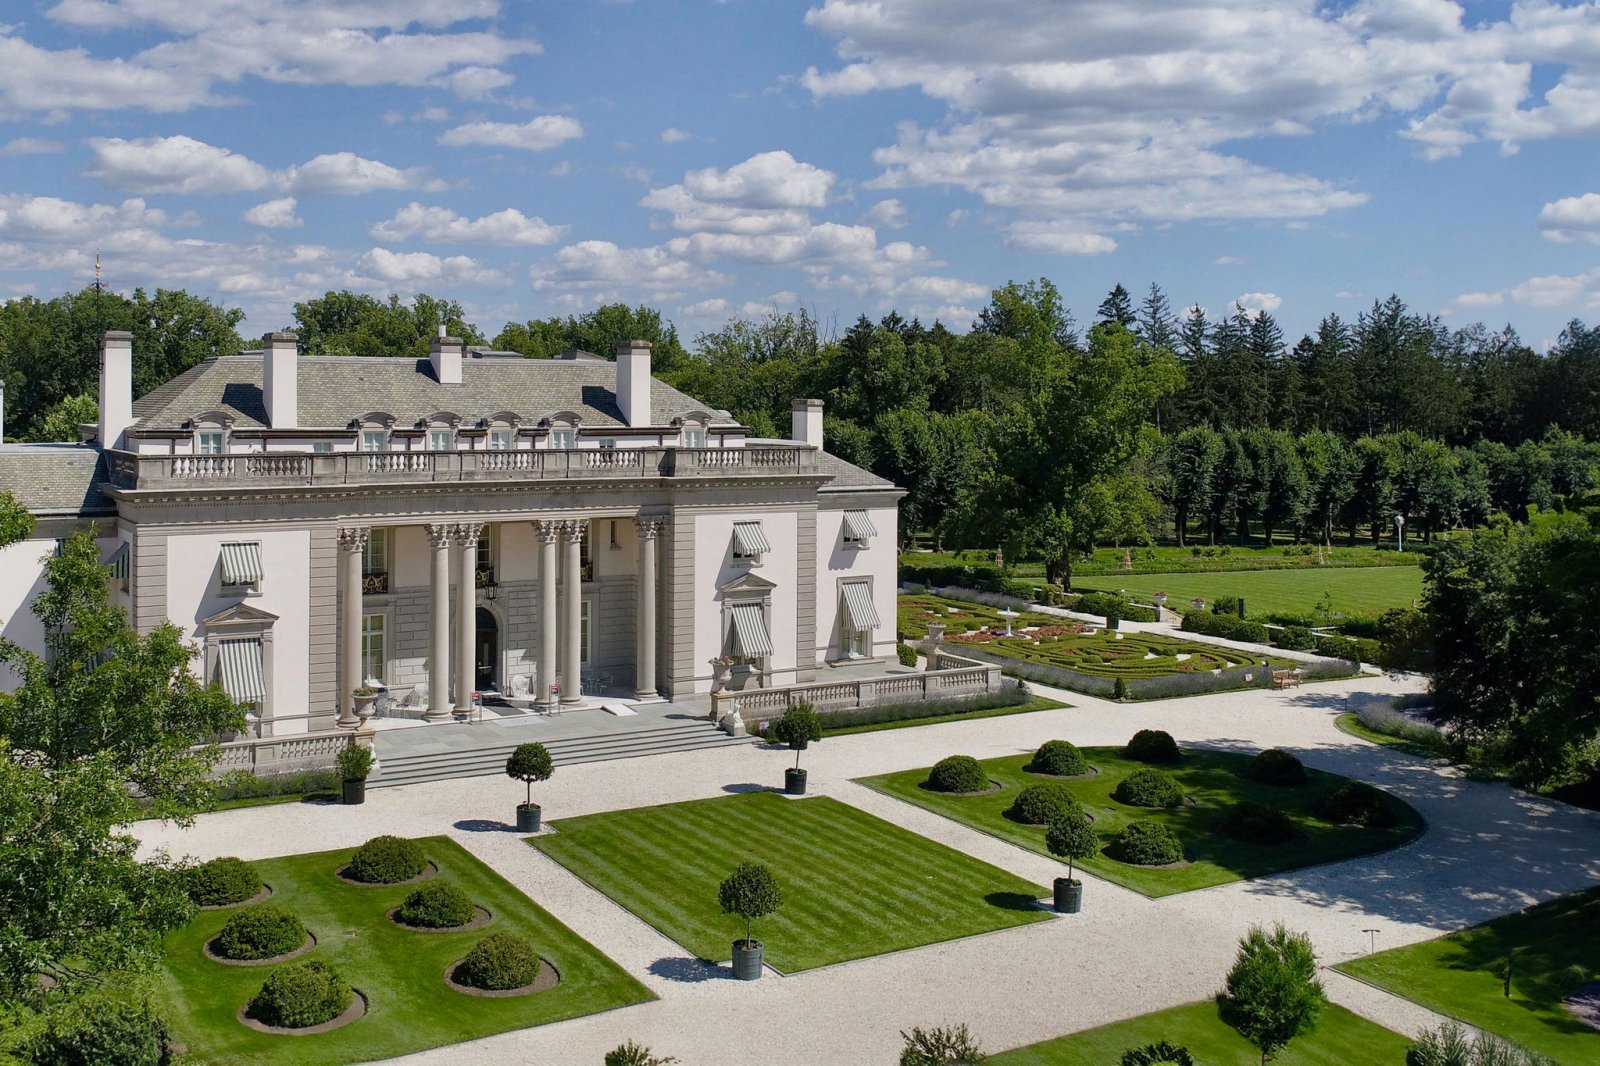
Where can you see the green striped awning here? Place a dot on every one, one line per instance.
(749, 538)
(119, 563)
(748, 634)
(857, 526)
(239, 662)
(241, 563)
(858, 605)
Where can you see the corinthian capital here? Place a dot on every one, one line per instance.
(441, 534)
(467, 533)
(354, 538)
(649, 526)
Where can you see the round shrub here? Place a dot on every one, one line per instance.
(1161, 1053)
(1357, 803)
(1152, 745)
(386, 860)
(1060, 758)
(1256, 823)
(301, 994)
(436, 905)
(1149, 788)
(260, 932)
(1042, 804)
(223, 881)
(958, 773)
(498, 962)
(1146, 844)
(1276, 767)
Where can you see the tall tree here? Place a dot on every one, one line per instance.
(1273, 993)
(1193, 458)
(349, 323)
(1116, 307)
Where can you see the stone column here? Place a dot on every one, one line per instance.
(352, 542)
(467, 534)
(547, 533)
(644, 628)
(439, 537)
(572, 576)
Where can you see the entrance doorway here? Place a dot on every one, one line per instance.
(486, 671)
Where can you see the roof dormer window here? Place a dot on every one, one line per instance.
(692, 429)
(210, 441)
(441, 440)
(563, 429)
(374, 440)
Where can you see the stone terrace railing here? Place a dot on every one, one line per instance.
(130, 470)
(283, 754)
(953, 678)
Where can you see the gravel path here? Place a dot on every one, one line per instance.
(1489, 850)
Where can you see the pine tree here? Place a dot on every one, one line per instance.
(1116, 307)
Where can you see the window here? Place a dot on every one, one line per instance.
(694, 437)
(240, 669)
(483, 559)
(210, 442)
(615, 543)
(241, 568)
(583, 633)
(858, 617)
(375, 556)
(748, 641)
(500, 440)
(441, 440)
(858, 529)
(586, 554)
(374, 440)
(372, 650)
(563, 438)
(749, 543)
(322, 446)
(608, 442)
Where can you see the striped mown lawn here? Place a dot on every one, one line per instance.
(853, 885)
(1351, 590)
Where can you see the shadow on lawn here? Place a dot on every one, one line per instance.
(689, 971)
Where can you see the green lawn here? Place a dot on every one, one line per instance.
(1354, 591)
(1209, 778)
(1557, 948)
(401, 972)
(1340, 1039)
(1350, 722)
(853, 885)
(1168, 559)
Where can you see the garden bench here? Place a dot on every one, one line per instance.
(1285, 678)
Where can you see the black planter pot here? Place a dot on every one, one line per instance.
(1069, 896)
(355, 792)
(528, 815)
(747, 959)
(794, 782)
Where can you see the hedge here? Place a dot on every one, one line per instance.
(1149, 787)
(1041, 804)
(1354, 649)
(1357, 803)
(386, 860)
(958, 773)
(260, 932)
(436, 905)
(1276, 767)
(1148, 843)
(222, 881)
(300, 995)
(1153, 746)
(1059, 758)
(499, 962)
(101, 1030)
(1226, 626)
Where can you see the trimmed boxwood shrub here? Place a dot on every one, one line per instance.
(1041, 804)
(1161, 1053)
(301, 994)
(386, 860)
(1276, 767)
(906, 654)
(1296, 638)
(1357, 803)
(1147, 843)
(1060, 758)
(1256, 823)
(260, 932)
(436, 905)
(1149, 788)
(498, 962)
(1152, 745)
(958, 773)
(223, 881)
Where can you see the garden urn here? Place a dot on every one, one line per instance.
(1069, 895)
(747, 959)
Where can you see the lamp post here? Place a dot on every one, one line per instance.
(1400, 532)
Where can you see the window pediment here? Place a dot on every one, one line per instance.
(561, 419)
(212, 419)
(373, 420)
(747, 585)
(440, 419)
(240, 616)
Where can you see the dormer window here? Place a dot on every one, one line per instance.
(374, 440)
(210, 442)
(694, 437)
(563, 438)
(561, 429)
(692, 429)
(502, 440)
(441, 440)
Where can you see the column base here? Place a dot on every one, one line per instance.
(571, 701)
(347, 720)
(647, 696)
(438, 714)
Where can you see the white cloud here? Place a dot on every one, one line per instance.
(1227, 260)
(179, 165)
(535, 135)
(716, 305)
(347, 174)
(1259, 301)
(1058, 238)
(1480, 299)
(275, 214)
(673, 135)
(30, 146)
(890, 213)
(411, 268)
(444, 225)
(602, 265)
(767, 180)
(1572, 218)
(1578, 291)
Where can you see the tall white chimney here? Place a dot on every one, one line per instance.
(445, 354)
(280, 380)
(633, 381)
(116, 387)
(805, 423)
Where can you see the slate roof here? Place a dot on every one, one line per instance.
(336, 389)
(55, 479)
(848, 475)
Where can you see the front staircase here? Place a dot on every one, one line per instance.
(485, 761)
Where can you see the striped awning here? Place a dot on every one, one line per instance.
(857, 526)
(748, 635)
(239, 662)
(241, 563)
(119, 563)
(858, 605)
(749, 538)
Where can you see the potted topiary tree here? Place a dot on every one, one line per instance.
(1069, 837)
(751, 892)
(355, 764)
(798, 727)
(529, 763)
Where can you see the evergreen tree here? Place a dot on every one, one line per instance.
(1116, 307)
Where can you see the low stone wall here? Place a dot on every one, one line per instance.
(948, 681)
(285, 754)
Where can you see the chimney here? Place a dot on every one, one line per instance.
(633, 381)
(806, 423)
(116, 387)
(280, 380)
(445, 354)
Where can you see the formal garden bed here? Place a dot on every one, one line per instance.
(1228, 825)
(1554, 952)
(1339, 1038)
(400, 1001)
(853, 885)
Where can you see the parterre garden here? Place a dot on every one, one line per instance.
(1170, 820)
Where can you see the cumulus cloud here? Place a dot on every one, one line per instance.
(179, 165)
(890, 213)
(347, 174)
(1058, 238)
(1259, 301)
(444, 225)
(770, 193)
(1227, 260)
(673, 135)
(1480, 299)
(716, 305)
(410, 268)
(1572, 218)
(1577, 291)
(30, 146)
(602, 265)
(535, 135)
(275, 214)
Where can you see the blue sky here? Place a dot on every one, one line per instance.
(719, 159)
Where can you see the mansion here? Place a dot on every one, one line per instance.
(471, 522)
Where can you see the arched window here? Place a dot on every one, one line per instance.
(211, 431)
(561, 429)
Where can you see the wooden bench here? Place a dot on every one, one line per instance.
(1285, 678)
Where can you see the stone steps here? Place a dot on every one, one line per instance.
(395, 770)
